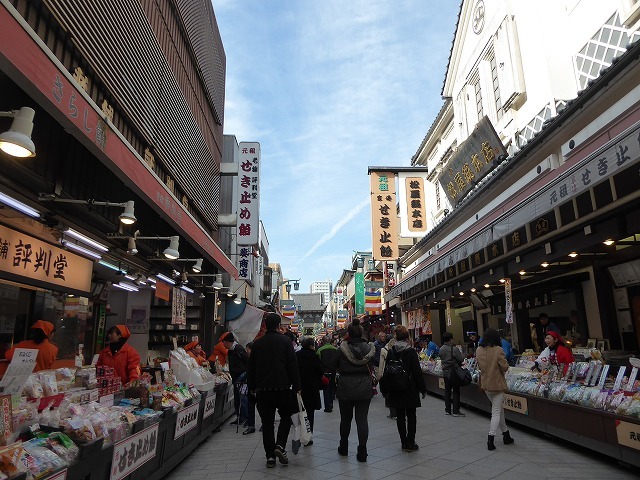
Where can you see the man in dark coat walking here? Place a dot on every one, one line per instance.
(237, 359)
(274, 377)
(311, 372)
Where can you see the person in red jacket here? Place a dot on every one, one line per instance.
(41, 333)
(121, 357)
(220, 352)
(194, 350)
(556, 353)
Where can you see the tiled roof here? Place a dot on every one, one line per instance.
(309, 302)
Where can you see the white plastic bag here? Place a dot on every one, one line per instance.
(295, 437)
(306, 435)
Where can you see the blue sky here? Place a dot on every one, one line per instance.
(329, 88)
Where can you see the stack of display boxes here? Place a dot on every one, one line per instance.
(107, 381)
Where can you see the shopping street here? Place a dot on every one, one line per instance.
(450, 448)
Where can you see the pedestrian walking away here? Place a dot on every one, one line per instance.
(326, 353)
(493, 366)
(311, 372)
(355, 388)
(405, 400)
(450, 356)
(273, 376)
(391, 341)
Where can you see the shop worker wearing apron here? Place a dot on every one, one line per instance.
(120, 356)
(41, 333)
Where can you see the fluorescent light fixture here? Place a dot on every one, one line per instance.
(171, 252)
(84, 239)
(17, 205)
(126, 286)
(153, 286)
(151, 280)
(186, 289)
(165, 279)
(127, 217)
(109, 265)
(197, 267)
(82, 250)
(17, 140)
(130, 277)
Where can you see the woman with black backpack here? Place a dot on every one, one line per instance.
(401, 381)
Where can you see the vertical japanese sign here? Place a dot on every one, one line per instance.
(245, 263)
(448, 313)
(29, 257)
(426, 328)
(411, 199)
(179, 307)
(359, 278)
(508, 301)
(389, 275)
(384, 219)
(248, 208)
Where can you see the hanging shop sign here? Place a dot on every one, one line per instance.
(508, 301)
(33, 259)
(245, 263)
(389, 275)
(179, 307)
(384, 220)
(186, 420)
(472, 161)
(448, 313)
(359, 282)
(133, 452)
(537, 299)
(426, 327)
(517, 239)
(163, 291)
(411, 198)
(373, 301)
(248, 208)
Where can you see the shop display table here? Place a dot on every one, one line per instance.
(617, 436)
(167, 442)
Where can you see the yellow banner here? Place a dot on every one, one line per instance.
(384, 217)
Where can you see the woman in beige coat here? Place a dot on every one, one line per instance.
(493, 365)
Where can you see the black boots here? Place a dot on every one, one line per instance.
(362, 454)
(506, 438)
(490, 444)
(343, 449)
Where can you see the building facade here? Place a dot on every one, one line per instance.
(530, 163)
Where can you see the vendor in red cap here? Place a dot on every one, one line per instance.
(41, 333)
(194, 350)
(121, 357)
(220, 352)
(556, 353)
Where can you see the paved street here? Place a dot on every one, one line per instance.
(450, 448)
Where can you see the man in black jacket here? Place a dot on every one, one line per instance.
(237, 359)
(271, 375)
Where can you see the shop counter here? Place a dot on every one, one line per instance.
(174, 437)
(604, 432)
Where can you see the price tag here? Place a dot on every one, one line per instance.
(441, 383)
(618, 382)
(209, 406)
(94, 360)
(632, 379)
(603, 377)
(143, 445)
(515, 404)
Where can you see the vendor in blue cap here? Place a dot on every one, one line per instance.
(472, 346)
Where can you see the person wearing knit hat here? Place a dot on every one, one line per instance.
(194, 350)
(41, 334)
(556, 353)
(122, 357)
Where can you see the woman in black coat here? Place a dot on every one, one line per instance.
(405, 402)
(311, 372)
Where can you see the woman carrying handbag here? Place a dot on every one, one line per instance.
(493, 365)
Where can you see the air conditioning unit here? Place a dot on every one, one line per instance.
(550, 163)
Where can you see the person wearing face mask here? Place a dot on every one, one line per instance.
(556, 353)
(120, 356)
